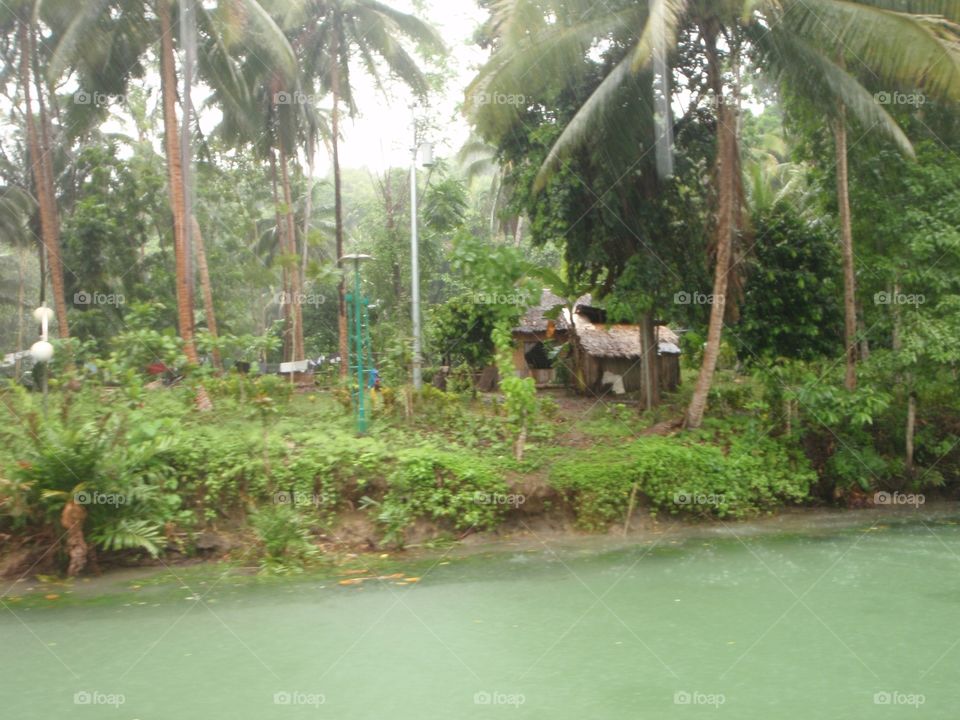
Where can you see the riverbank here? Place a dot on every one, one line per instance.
(192, 578)
(279, 480)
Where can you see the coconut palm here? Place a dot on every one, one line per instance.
(268, 112)
(478, 161)
(329, 34)
(823, 49)
(104, 42)
(805, 43)
(40, 148)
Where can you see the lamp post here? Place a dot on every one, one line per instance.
(360, 349)
(415, 254)
(42, 351)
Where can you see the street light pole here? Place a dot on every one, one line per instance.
(358, 306)
(415, 267)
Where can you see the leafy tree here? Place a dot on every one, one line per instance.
(792, 36)
(789, 308)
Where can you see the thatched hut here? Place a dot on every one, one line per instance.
(534, 336)
(608, 354)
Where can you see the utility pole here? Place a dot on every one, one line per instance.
(188, 39)
(415, 256)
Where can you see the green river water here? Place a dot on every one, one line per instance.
(837, 621)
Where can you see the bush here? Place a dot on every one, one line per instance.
(285, 535)
(441, 486)
(683, 475)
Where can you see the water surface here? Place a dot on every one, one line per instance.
(856, 622)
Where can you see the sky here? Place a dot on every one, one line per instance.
(382, 136)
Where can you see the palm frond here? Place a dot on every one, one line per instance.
(86, 17)
(823, 82)
(584, 123)
(269, 39)
(892, 46)
(129, 534)
(409, 25)
(660, 30)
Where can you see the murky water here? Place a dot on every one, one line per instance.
(834, 623)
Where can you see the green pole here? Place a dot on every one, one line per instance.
(358, 337)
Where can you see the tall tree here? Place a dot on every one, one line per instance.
(103, 43)
(545, 36)
(41, 162)
(330, 34)
(171, 145)
(827, 50)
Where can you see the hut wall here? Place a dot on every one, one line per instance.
(543, 376)
(629, 368)
(669, 371)
(632, 371)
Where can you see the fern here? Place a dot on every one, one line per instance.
(128, 534)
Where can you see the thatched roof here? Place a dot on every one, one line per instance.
(598, 339)
(534, 320)
(620, 340)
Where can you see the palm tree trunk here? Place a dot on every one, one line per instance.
(72, 518)
(204, 271)
(727, 212)
(307, 213)
(344, 347)
(41, 167)
(168, 88)
(846, 247)
(518, 233)
(292, 267)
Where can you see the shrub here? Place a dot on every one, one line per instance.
(285, 536)
(683, 475)
(442, 486)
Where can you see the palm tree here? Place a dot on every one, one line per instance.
(41, 162)
(328, 35)
(800, 38)
(263, 111)
(478, 161)
(106, 56)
